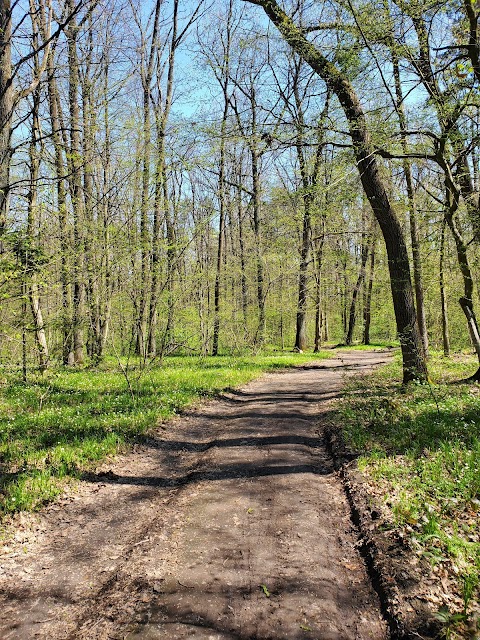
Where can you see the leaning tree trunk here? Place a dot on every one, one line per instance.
(466, 301)
(443, 299)
(414, 364)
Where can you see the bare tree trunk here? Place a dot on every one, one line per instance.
(345, 291)
(76, 190)
(221, 225)
(318, 288)
(466, 301)
(147, 70)
(326, 335)
(352, 316)
(105, 295)
(171, 257)
(223, 79)
(161, 206)
(367, 305)
(158, 211)
(308, 196)
(65, 239)
(441, 274)
(92, 245)
(243, 276)
(412, 208)
(260, 334)
(6, 109)
(141, 328)
(33, 292)
(309, 184)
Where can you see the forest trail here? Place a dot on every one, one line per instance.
(230, 525)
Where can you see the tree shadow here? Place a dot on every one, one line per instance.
(228, 472)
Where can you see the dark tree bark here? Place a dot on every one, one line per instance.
(414, 364)
(34, 158)
(352, 316)
(65, 232)
(309, 193)
(443, 300)
(466, 301)
(6, 108)
(221, 199)
(318, 258)
(367, 304)
(76, 190)
(412, 208)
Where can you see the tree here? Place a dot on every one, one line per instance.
(414, 365)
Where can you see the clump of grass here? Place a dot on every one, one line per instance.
(67, 421)
(420, 450)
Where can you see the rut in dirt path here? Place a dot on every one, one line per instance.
(231, 525)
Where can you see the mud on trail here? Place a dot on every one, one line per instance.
(230, 525)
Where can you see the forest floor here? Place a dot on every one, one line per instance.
(231, 523)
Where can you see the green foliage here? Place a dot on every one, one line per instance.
(28, 255)
(69, 420)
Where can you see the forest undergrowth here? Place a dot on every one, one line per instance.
(66, 421)
(420, 454)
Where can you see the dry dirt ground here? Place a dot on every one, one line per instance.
(230, 524)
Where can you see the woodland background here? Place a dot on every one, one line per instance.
(175, 179)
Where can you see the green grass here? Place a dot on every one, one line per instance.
(68, 421)
(420, 450)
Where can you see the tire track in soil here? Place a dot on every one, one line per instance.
(178, 538)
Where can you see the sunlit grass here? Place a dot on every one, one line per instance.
(69, 420)
(420, 448)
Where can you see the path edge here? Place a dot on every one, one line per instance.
(382, 555)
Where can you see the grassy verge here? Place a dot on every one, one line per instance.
(67, 421)
(421, 455)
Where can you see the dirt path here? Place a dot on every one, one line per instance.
(231, 525)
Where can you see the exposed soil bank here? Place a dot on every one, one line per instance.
(231, 524)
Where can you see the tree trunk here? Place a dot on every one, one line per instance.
(367, 306)
(6, 109)
(161, 206)
(93, 248)
(318, 289)
(260, 334)
(33, 292)
(412, 209)
(466, 301)
(243, 276)
(221, 224)
(352, 316)
(76, 191)
(441, 273)
(65, 239)
(147, 70)
(309, 194)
